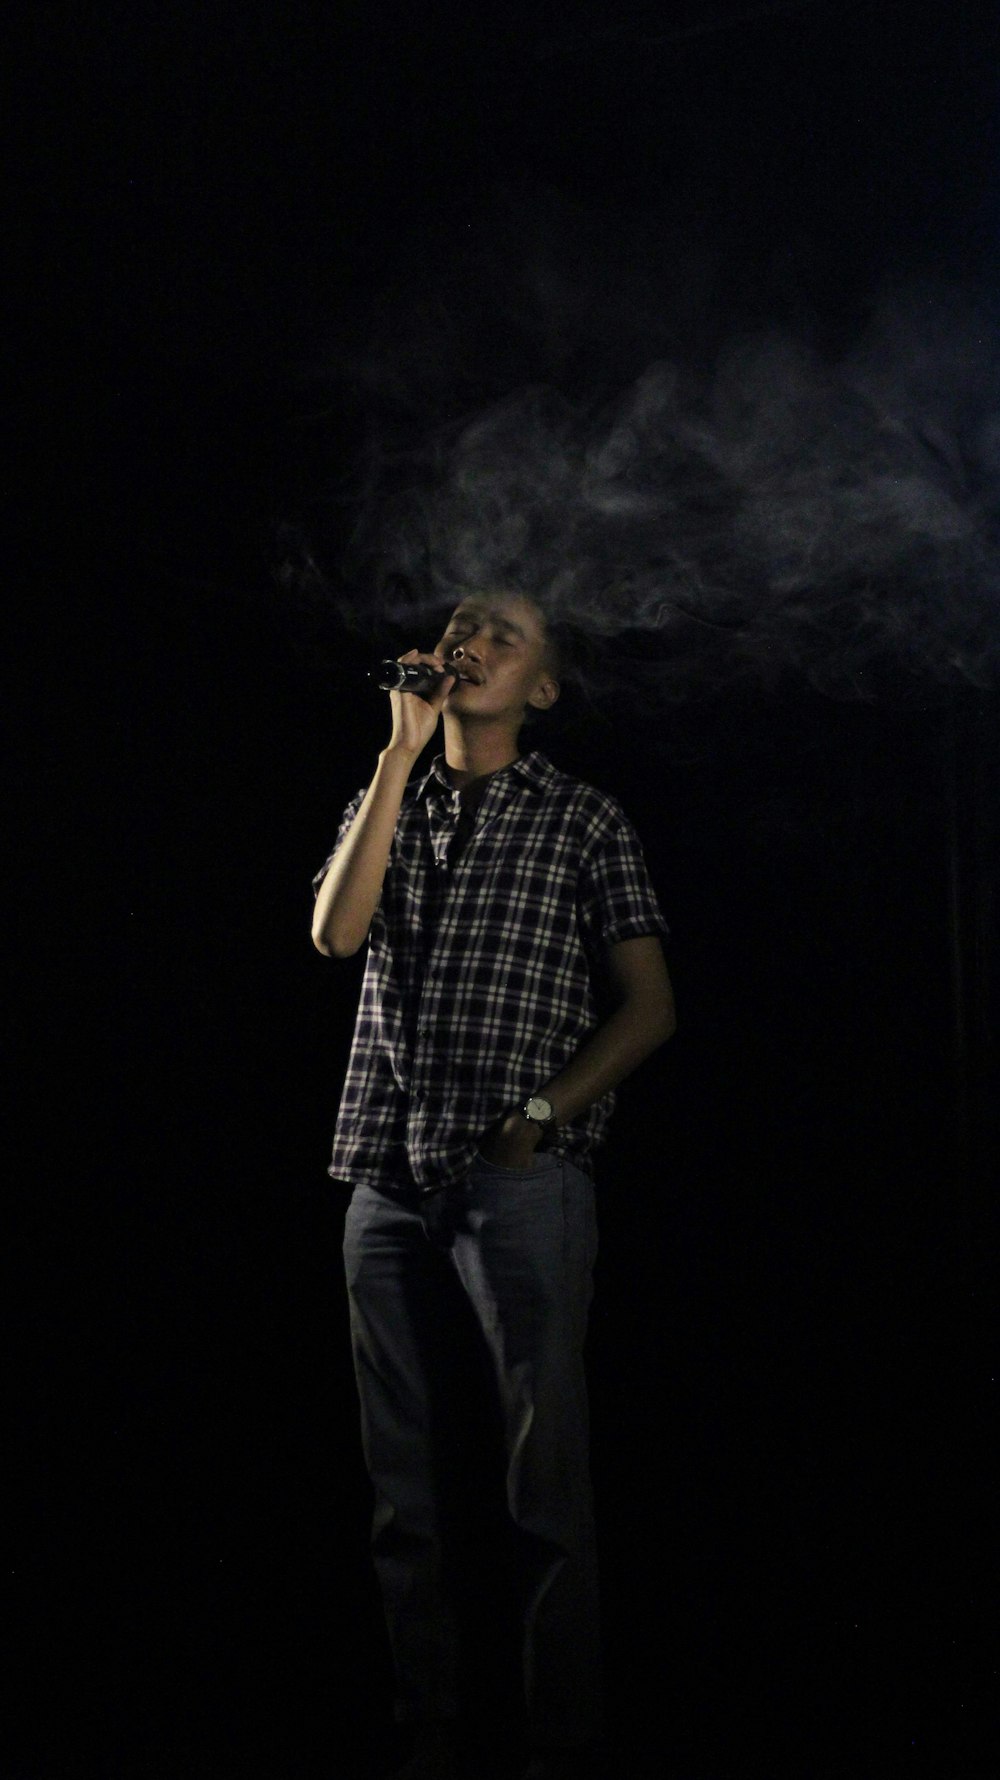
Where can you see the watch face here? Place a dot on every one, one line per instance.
(537, 1108)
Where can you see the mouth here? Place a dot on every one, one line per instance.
(468, 680)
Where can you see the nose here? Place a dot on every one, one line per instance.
(461, 650)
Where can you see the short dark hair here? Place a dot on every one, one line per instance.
(564, 657)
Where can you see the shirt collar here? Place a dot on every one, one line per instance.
(533, 770)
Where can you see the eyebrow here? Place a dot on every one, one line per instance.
(493, 615)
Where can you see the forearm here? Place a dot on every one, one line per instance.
(617, 1047)
(349, 894)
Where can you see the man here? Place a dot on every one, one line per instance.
(515, 975)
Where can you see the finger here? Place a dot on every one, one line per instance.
(434, 658)
(438, 694)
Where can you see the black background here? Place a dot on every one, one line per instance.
(788, 1352)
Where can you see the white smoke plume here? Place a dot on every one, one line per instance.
(700, 498)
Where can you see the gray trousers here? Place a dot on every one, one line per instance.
(520, 1244)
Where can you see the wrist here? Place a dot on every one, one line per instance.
(396, 755)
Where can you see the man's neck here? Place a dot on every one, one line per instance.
(472, 754)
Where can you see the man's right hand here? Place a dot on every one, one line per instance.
(349, 894)
(414, 714)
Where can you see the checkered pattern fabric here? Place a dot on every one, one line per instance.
(487, 956)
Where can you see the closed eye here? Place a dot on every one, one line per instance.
(463, 636)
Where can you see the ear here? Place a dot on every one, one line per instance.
(545, 693)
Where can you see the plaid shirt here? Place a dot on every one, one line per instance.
(487, 954)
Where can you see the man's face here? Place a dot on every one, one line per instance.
(497, 644)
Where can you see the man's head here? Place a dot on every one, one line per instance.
(506, 657)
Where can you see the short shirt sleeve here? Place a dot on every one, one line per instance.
(345, 823)
(617, 899)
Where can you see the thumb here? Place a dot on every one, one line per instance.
(440, 693)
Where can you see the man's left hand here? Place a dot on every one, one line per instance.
(512, 1142)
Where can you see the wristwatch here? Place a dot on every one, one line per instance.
(539, 1111)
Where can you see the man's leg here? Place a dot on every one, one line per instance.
(396, 1281)
(525, 1246)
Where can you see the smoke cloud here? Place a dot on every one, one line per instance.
(700, 498)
